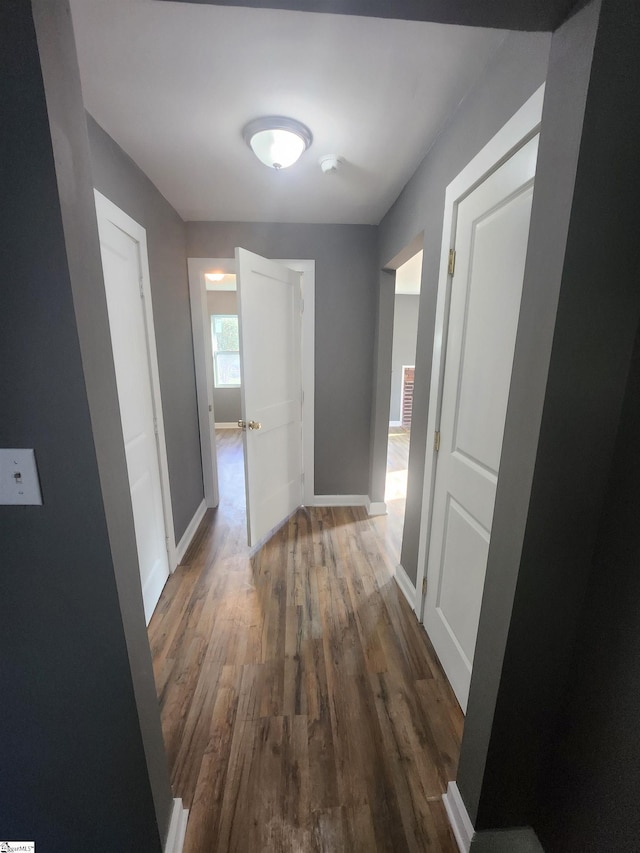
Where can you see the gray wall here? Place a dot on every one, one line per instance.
(118, 178)
(594, 756)
(405, 334)
(516, 71)
(227, 406)
(83, 762)
(346, 297)
(383, 344)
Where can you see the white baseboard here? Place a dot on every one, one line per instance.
(376, 507)
(458, 817)
(406, 586)
(395, 423)
(228, 425)
(187, 536)
(177, 828)
(340, 500)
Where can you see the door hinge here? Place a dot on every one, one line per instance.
(452, 262)
(140, 283)
(302, 306)
(424, 586)
(166, 542)
(436, 441)
(155, 424)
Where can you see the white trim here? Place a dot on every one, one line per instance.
(203, 362)
(339, 500)
(177, 828)
(512, 136)
(190, 532)
(107, 210)
(203, 358)
(395, 423)
(227, 425)
(376, 507)
(406, 585)
(458, 817)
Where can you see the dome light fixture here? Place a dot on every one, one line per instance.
(278, 142)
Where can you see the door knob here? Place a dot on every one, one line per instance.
(242, 424)
(255, 425)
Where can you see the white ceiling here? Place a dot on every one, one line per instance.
(409, 276)
(175, 83)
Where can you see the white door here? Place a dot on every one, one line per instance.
(491, 235)
(269, 307)
(123, 276)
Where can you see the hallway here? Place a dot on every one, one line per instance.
(302, 706)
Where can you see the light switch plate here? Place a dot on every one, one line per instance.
(19, 483)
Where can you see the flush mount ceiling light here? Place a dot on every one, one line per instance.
(214, 276)
(278, 142)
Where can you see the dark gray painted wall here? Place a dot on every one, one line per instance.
(75, 774)
(118, 178)
(594, 757)
(405, 334)
(346, 294)
(227, 406)
(75, 186)
(516, 71)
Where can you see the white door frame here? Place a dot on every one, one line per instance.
(107, 210)
(203, 363)
(204, 371)
(512, 136)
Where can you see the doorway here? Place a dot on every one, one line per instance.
(123, 247)
(214, 301)
(403, 351)
(222, 313)
(485, 236)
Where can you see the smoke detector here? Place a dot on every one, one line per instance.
(330, 164)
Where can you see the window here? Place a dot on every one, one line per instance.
(226, 350)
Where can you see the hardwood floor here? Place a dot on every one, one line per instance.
(391, 526)
(302, 705)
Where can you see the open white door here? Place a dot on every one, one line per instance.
(269, 308)
(491, 235)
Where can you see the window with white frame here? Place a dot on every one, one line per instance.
(225, 342)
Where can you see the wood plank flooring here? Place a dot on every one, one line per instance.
(303, 708)
(391, 526)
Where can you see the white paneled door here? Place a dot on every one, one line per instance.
(491, 234)
(269, 308)
(123, 250)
